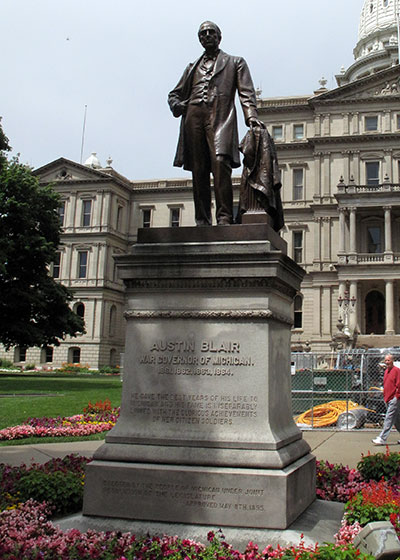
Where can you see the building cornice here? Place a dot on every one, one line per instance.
(355, 138)
(376, 78)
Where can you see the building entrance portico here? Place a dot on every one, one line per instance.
(370, 306)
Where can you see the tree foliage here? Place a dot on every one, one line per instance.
(34, 308)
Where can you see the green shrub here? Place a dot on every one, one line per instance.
(29, 366)
(6, 364)
(380, 465)
(62, 490)
(108, 369)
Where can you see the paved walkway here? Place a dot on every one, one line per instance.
(335, 447)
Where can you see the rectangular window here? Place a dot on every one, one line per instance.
(371, 123)
(298, 246)
(86, 212)
(298, 183)
(277, 132)
(22, 353)
(175, 217)
(298, 131)
(61, 213)
(49, 354)
(146, 217)
(56, 265)
(372, 169)
(374, 239)
(76, 355)
(398, 122)
(298, 312)
(82, 264)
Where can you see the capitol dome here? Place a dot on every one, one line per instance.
(377, 45)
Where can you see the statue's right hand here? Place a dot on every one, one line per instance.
(179, 109)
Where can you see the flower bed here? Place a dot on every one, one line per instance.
(27, 533)
(95, 419)
(371, 492)
(31, 495)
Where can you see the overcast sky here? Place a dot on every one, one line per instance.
(122, 57)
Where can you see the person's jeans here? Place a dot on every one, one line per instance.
(392, 417)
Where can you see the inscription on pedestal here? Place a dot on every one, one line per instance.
(184, 385)
(194, 409)
(188, 495)
(183, 357)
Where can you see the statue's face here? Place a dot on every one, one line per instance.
(209, 37)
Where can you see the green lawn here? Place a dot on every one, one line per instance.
(59, 397)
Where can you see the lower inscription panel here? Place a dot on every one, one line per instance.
(214, 496)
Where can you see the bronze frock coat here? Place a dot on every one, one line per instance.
(231, 74)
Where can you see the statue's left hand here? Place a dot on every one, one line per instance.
(253, 122)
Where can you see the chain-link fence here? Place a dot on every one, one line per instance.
(339, 390)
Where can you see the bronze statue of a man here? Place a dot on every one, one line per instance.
(208, 143)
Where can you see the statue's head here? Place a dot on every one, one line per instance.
(209, 35)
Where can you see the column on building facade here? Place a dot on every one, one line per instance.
(317, 125)
(317, 240)
(67, 269)
(388, 229)
(353, 234)
(353, 305)
(326, 228)
(346, 165)
(389, 293)
(99, 208)
(71, 211)
(96, 326)
(387, 167)
(326, 316)
(106, 209)
(356, 167)
(94, 262)
(346, 123)
(356, 125)
(318, 174)
(317, 310)
(342, 230)
(327, 124)
(102, 273)
(386, 120)
(327, 174)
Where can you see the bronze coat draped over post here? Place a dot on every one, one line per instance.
(261, 177)
(231, 74)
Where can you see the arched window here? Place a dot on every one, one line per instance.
(80, 309)
(298, 312)
(46, 354)
(20, 354)
(74, 355)
(113, 320)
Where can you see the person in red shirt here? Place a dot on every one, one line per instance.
(391, 396)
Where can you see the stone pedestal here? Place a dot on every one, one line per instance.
(206, 433)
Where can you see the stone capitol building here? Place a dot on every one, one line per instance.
(339, 154)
